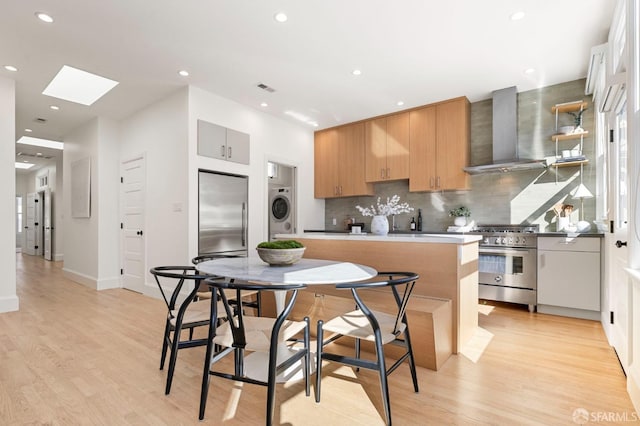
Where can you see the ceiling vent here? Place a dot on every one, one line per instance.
(40, 120)
(265, 87)
(25, 154)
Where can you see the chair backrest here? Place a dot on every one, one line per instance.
(181, 274)
(407, 280)
(235, 318)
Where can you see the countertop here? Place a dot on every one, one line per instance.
(395, 234)
(442, 238)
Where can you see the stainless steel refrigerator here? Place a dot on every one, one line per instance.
(222, 213)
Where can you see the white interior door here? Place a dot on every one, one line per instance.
(617, 258)
(132, 241)
(48, 229)
(30, 226)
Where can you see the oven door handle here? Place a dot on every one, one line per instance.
(505, 250)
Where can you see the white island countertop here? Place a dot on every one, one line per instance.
(441, 238)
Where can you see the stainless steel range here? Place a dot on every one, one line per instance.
(507, 263)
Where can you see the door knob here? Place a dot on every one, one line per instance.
(620, 243)
(139, 233)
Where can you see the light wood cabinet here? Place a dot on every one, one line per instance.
(439, 146)
(387, 148)
(339, 162)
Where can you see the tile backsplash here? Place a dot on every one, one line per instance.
(514, 197)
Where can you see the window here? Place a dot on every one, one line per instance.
(19, 214)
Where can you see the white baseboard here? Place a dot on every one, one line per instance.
(81, 278)
(633, 385)
(92, 282)
(108, 283)
(569, 312)
(58, 257)
(9, 304)
(18, 249)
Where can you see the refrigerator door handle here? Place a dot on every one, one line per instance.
(244, 224)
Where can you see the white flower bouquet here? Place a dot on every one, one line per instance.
(392, 206)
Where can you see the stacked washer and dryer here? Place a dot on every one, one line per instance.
(281, 217)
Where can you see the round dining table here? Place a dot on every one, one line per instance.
(306, 271)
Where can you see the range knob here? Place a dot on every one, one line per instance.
(498, 240)
(504, 240)
(510, 241)
(486, 240)
(517, 240)
(524, 241)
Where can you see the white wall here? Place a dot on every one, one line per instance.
(91, 244)
(8, 298)
(160, 133)
(271, 139)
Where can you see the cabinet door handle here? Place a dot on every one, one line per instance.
(388, 173)
(229, 152)
(438, 182)
(431, 182)
(222, 151)
(542, 260)
(340, 191)
(381, 173)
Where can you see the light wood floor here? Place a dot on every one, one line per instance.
(77, 356)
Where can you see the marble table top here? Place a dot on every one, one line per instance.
(305, 271)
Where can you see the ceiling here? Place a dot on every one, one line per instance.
(415, 51)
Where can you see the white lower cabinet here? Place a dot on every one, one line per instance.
(569, 276)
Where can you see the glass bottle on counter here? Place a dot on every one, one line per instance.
(412, 225)
(419, 226)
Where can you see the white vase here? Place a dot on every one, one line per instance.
(460, 221)
(380, 225)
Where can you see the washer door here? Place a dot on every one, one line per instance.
(280, 208)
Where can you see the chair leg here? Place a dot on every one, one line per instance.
(204, 391)
(165, 343)
(259, 302)
(357, 352)
(319, 336)
(271, 383)
(412, 362)
(307, 357)
(384, 388)
(173, 357)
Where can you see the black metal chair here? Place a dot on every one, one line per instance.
(378, 327)
(238, 333)
(187, 314)
(246, 300)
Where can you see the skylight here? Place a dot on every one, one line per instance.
(24, 165)
(46, 143)
(72, 84)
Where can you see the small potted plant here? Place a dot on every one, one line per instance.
(461, 214)
(282, 252)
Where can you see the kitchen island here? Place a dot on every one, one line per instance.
(447, 265)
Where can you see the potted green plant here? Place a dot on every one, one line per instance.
(281, 252)
(461, 214)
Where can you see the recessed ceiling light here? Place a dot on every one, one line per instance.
(517, 16)
(24, 165)
(184, 73)
(54, 107)
(529, 71)
(28, 130)
(264, 104)
(45, 143)
(72, 84)
(313, 123)
(399, 103)
(44, 17)
(10, 68)
(356, 72)
(38, 154)
(280, 17)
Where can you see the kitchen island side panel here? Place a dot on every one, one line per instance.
(448, 271)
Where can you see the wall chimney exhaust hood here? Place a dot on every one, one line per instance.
(505, 137)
